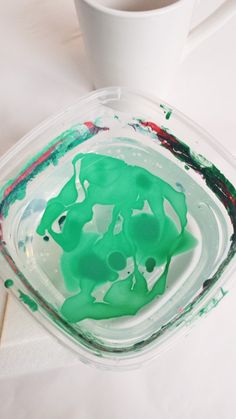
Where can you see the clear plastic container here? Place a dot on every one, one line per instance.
(127, 126)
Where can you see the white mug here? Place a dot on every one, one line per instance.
(139, 43)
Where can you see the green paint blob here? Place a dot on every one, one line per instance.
(167, 111)
(150, 264)
(117, 261)
(113, 235)
(28, 301)
(8, 283)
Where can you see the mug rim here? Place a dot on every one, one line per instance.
(131, 14)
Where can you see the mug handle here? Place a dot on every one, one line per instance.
(210, 25)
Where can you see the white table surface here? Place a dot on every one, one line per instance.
(43, 68)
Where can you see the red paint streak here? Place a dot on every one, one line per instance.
(29, 170)
(230, 197)
(1, 232)
(94, 128)
(227, 193)
(89, 125)
(42, 158)
(9, 259)
(159, 131)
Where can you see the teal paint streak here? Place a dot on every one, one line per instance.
(28, 301)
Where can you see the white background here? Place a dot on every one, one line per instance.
(43, 68)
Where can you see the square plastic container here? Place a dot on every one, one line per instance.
(117, 225)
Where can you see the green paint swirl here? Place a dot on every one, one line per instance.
(114, 230)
